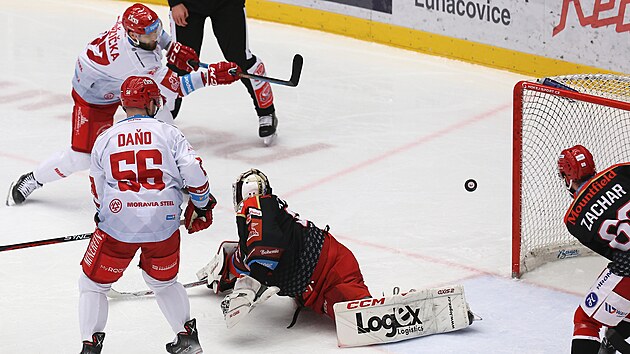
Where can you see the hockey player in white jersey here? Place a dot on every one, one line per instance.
(133, 46)
(138, 170)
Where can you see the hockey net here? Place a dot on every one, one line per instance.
(550, 115)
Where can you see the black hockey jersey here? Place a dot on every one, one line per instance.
(276, 247)
(599, 216)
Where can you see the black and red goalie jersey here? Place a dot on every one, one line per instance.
(599, 216)
(275, 246)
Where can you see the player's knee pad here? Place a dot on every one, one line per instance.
(99, 266)
(88, 285)
(157, 285)
(161, 268)
(585, 326)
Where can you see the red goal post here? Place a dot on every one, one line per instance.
(551, 115)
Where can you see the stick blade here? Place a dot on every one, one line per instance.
(296, 70)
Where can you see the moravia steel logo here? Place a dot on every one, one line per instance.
(603, 13)
(402, 320)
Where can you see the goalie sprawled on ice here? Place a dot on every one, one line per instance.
(279, 253)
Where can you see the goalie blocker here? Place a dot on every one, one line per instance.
(400, 317)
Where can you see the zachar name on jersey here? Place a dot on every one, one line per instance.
(601, 205)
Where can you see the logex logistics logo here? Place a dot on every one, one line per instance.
(401, 320)
(609, 13)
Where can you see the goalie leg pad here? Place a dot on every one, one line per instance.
(401, 317)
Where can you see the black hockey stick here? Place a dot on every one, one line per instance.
(296, 71)
(114, 294)
(617, 341)
(49, 241)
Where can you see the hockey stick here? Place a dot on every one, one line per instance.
(617, 341)
(49, 241)
(114, 294)
(296, 71)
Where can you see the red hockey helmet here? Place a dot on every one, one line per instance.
(139, 91)
(575, 164)
(140, 19)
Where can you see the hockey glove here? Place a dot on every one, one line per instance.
(197, 219)
(181, 56)
(248, 292)
(222, 73)
(217, 271)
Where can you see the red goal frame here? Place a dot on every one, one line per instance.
(517, 153)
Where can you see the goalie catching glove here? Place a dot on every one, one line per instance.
(217, 271)
(197, 219)
(248, 292)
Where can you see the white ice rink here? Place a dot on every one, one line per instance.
(375, 142)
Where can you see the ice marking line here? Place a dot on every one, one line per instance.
(477, 272)
(422, 140)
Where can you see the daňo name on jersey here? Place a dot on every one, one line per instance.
(137, 138)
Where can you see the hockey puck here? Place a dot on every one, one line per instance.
(470, 185)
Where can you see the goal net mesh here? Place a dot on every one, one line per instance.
(591, 110)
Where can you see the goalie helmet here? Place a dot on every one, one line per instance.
(140, 19)
(138, 92)
(575, 164)
(248, 184)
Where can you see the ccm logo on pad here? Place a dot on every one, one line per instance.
(365, 303)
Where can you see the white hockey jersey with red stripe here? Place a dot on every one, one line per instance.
(138, 170)
(110, 59)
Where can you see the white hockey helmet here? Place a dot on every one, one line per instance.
(248, 184)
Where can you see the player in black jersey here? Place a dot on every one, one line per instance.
(599, 218)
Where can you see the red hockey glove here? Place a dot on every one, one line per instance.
(197, 219)
(223, 73)
(181, 55)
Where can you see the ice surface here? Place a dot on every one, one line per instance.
(376, 142)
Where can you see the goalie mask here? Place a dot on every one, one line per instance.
(575, 164)
(249, 184)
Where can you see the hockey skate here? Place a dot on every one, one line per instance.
(95, 346)
(21, 189)
(267, 128)
(186, 342)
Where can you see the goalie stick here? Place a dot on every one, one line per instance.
(51, 241)
(296, 71)
(115, 294)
